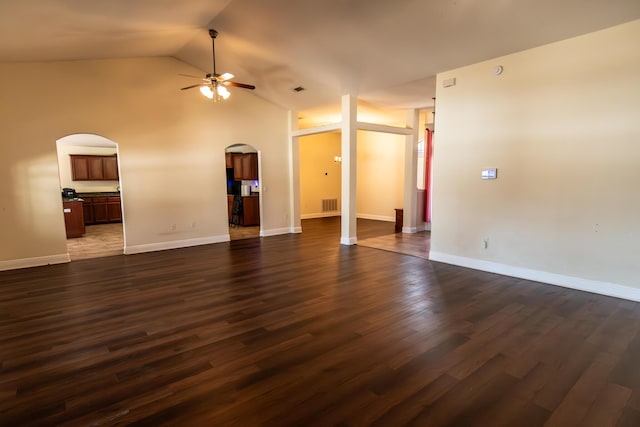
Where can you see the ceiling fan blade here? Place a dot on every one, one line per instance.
(191, 87)
(224, 76)
(242, 85)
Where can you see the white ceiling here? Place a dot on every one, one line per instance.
(384, 52)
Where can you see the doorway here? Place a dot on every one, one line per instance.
(243, 191)
(90, 183)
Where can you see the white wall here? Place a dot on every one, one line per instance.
(561, 124)
(171, 152)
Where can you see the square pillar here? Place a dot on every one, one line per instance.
(349, 155)
(410, 215)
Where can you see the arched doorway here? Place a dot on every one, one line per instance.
(90, 182)
(243, 191)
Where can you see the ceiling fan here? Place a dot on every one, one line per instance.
(215, 85)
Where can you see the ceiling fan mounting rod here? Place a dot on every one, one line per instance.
(213, 33)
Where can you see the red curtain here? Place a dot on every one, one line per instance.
(428, 152)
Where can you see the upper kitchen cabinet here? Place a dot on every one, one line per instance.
(94, 168)
(245, 166)
(110, 168)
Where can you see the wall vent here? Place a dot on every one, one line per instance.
(329, 205)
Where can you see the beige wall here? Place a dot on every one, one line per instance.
(380, 176)
(171, 152)
(380, 180)
(320, 175)
(561, 124)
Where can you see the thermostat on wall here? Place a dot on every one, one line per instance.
(489, 173)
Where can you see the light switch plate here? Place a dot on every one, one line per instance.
(489, 173)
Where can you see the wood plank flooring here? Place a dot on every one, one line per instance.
(297, 330)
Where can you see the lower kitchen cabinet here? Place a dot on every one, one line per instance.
(102, 210)
(250, 211)
(250, 214)
(73, 218)
(114, 210)
(87, 208)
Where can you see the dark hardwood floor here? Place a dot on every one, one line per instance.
(297, 330)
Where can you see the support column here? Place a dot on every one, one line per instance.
(349, 153)
(410, 214)
(294, 175)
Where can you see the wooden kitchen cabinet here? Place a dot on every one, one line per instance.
(96, 171)
(250, 211)
(94, 168)
(110, 168)
(229, 205)
(79, 168)
(101, 210)
(245, 166)
(228, 160)
(87, 209)
(236, 161)
(114, 210)
(250, 166)
(73, 218)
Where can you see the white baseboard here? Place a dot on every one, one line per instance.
(278, 231)
(175, 244)
(377, 217)
(320, 215)
(587, 285)
(34, 262)
(295, 230)
(409, 230)
(348, 240)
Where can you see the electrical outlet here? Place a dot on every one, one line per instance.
(173, 227)
(486, 242)
(193, 224)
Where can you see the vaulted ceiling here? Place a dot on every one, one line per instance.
(384, 52)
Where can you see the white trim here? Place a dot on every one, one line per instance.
(175, 244)
(34, 262)
(331, 127)
(277, 231)
(320, 215)
(409, 230)
(348, 240)
(296, 230)
(587, 285)
(422, 226)
(373, 127)
(377, 217)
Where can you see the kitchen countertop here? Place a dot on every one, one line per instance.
(99, 194)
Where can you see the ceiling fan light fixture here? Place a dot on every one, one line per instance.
(206, 91)
(223, 92)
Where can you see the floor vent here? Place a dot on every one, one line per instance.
(329, 205)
